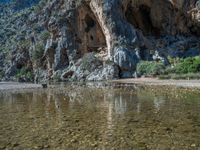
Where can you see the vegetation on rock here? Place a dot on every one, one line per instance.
(52, 36)
(150, 68)
(188, 68)
(24, 75)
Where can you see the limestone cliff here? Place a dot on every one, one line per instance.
(105, 39)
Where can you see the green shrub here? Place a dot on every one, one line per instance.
(1, 74)
(188, 65)
(150, 68)
(25, 74)
(195, 67)
(45, 35)
(79, 3)
(187, 68)
(38, 52)
(88, 61)
(39, 7)
(25, 44)
(4, 49)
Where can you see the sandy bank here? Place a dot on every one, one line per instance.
(17, 86)
(140, 81)
(154, 81)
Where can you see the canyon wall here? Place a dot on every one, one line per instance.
(105, 39)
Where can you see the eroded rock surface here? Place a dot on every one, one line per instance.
(62, 34)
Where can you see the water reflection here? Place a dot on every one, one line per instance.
(81, 117)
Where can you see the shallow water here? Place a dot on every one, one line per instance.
(91, 117)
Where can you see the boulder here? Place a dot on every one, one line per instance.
(127, 61)
(67, 74)
(108, 71)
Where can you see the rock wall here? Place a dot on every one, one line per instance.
(121, 31)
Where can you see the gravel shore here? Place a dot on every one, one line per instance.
(139, 81)
(17, 86)
(154, 81)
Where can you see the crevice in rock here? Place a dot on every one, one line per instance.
(19, 66)
(140, 18)
(90, 23)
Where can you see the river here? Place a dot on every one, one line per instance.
(72, 116)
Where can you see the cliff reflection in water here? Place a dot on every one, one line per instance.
(82, 117)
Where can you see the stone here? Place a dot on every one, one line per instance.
(67, 74)
(107, 72)
(127, 61)
(159, 57)
(44, 85)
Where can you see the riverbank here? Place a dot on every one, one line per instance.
(139, 81)
(157, 82)
(17, 86)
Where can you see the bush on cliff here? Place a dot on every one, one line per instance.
(1, 74)
(188, 65)
(187, 68)
(24, 75)
(150, 68)
(90, 62)
(39, 51)
(45, 35)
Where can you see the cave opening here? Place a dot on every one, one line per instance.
(91, 37)
(90, 23)
(89, 32)
(64, 58)
(19, 66)
(140, 18)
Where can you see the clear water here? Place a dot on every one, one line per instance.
(67, 117)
